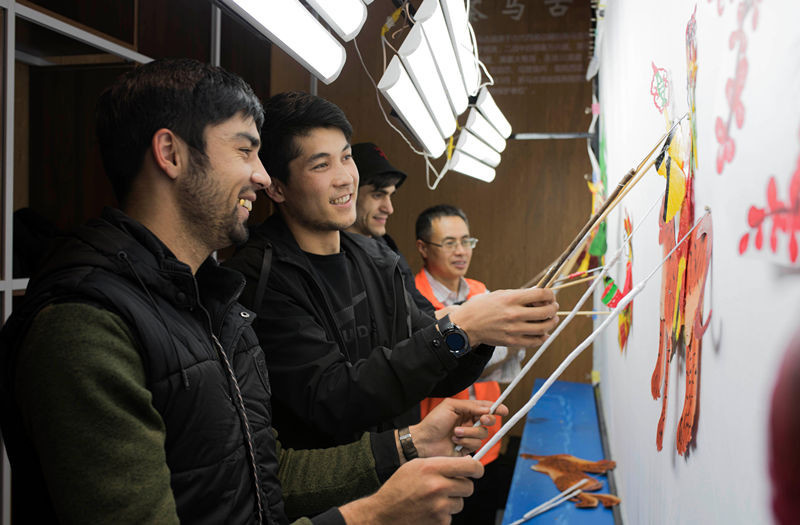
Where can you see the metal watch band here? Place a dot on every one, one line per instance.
(407, 444)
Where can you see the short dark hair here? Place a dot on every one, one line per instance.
(295, 114)
(381, 180)
(425, 220)
(183, 95)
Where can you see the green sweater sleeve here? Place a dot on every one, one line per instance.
(80, 385)
(315, 480)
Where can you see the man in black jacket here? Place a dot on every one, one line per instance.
(346, 349)
(133, 387)
(378, 181)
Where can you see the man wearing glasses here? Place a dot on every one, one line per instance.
(445, 244)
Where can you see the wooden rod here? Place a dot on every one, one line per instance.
(573, 283)
(612, 200)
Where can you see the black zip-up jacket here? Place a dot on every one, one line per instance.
(319, 397)
(197, 347)
(408, 278)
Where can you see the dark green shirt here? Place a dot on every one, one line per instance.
(82, 390)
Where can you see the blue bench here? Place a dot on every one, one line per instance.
(564, 421)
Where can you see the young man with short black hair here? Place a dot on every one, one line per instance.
(133, 387)
(347, 351)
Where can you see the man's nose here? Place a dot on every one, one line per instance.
(260, 177)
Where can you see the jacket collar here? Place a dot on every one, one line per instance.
(276, 231)
(124, 246)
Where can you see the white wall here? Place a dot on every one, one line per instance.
(755, 297)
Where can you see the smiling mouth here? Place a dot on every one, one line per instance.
(341, 200)
(246, 204)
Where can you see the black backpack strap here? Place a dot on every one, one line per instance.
(261, 286)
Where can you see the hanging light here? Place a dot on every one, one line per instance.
(486, 105)
(455, 15)
(469, 143)
(346, 17)
(295, 30)
(430, 17)
(464, 163)
(418, 61)
(481, 127)
(396, 86)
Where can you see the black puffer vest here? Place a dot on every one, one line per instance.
(188, 330)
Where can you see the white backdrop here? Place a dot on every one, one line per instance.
(755, 296)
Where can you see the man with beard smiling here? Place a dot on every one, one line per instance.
(347, 351)
(133, 387)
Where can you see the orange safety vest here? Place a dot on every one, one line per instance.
(485, 390)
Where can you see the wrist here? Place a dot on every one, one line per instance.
(461, 318)
(455, 339)
(407, 446)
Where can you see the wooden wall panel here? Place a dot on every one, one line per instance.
(539, 200)
(177, 28)
(67, 184)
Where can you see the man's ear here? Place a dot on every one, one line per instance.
(276, 191)
(422, 248)
(168, 152)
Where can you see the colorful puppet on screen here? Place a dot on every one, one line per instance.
(592, 254)
(784, 216)
(685, 272)
(612, 294)
(625, 319)
(566, 470)
(735, 85)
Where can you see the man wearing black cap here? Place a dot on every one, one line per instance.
(378, 181)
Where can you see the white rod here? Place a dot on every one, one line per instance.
(566, 495)
(572, 313)
(563, 324)
(575, 353)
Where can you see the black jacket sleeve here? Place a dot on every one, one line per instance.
(469, 367)
(335, 398)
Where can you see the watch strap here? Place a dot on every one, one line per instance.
(407, 444)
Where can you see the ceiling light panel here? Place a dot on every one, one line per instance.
(294, 29)
(419, 63)
(396, 86)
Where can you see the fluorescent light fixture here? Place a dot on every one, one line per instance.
(418, 60)
(481, 127)
(489, 109)
(396, 86)
(430, 17)
(295, 30)
(455, 14)
(464, 163)
(346, 17)
(469, 143)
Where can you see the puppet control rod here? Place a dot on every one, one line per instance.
(579, 349)
(622, 189)
(563, 324)
(628, 181)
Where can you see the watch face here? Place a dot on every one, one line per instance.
(455, 342)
